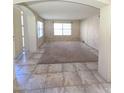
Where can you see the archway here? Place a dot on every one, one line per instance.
(29, 29)
(105, 32)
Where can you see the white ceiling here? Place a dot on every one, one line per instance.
(63, 10)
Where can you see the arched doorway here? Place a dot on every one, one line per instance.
(105, 32)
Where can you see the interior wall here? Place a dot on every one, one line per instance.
(49, 31)
(32, 33)
(17, 40)
(26, 31)
(89, 31)
(104, 66)
(29, 30)
(40, 40)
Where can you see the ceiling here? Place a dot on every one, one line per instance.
(59, 10)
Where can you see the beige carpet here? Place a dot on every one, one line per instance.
(66, 52)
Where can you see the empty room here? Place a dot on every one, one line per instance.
(61, 46)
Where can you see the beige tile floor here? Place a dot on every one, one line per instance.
(57, 78)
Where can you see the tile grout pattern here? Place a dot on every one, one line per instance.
(58, 78)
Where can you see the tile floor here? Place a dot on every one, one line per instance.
(57, 78)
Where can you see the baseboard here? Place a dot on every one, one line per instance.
(18, 56)
(96, 51)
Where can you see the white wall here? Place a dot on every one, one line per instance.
(40, 40)
(49, 31)
(17, 40)
(105, 43)
(26, 36)
(29, 30)
(89, 29)
(32, 33)
(99, 37)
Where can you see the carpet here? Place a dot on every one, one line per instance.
(66, 52)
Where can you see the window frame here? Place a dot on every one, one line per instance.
(63, 28)
(40, 29)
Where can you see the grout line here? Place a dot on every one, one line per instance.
(46, 79)
(96, 79)
(83, 85)
(92, 73)
(78, 74)
(63, 77)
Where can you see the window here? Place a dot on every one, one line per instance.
(40, 29)
(62, 28)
